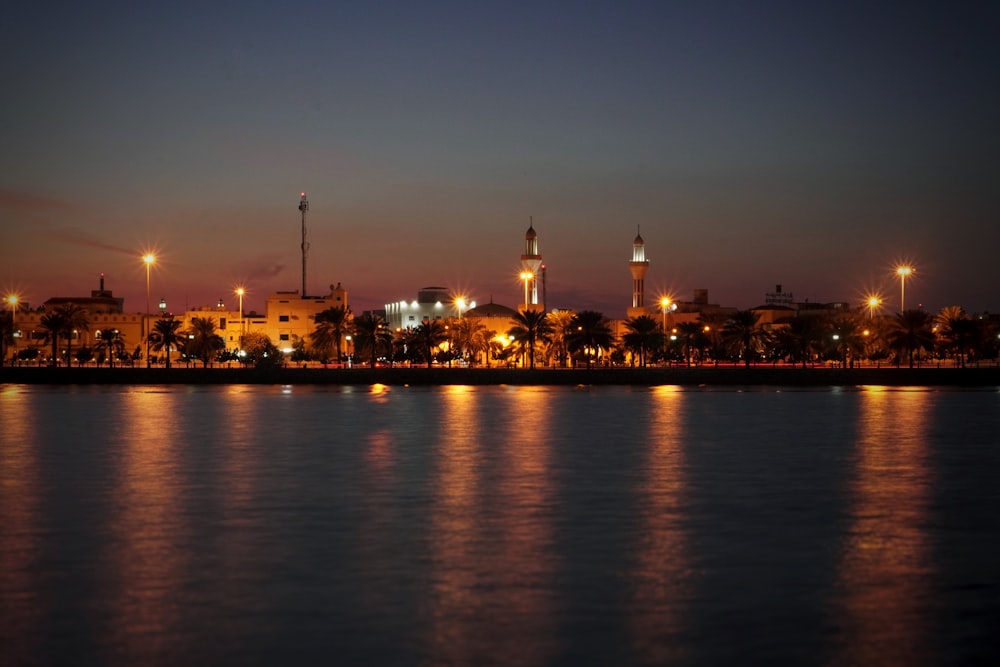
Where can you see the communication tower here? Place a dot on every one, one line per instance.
(304, 208)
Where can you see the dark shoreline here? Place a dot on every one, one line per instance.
(698, 376)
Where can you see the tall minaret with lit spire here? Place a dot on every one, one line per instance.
(531, 262)
(638, 266)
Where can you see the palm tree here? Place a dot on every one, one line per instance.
(713, 325)
(467, 334)
(910, 331)
(590, 332)
(74, 318)
(691, 334)
(427, 336)
(956, 330)
(331, 326)
(203, 341)
(743, 336)
(166, 336)
(562, 326)
(54, 324)
(849, 341)
(530, 328)
(372, 335)
(642, 335)
(109, 342)
(801, 338)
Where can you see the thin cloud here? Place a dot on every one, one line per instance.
(22, 201)
(264, 270)
(83, 239)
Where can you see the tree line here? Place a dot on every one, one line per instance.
(555, 339)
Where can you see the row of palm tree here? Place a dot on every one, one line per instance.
(845, 337)
(200, 341)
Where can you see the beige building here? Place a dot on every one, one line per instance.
(288, 318)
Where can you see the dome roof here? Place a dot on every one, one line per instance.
(490, 310)
(530, 234)
(638, 240)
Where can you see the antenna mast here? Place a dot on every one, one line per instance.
(304, 207)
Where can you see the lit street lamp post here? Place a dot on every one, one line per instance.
(872, 303)
(12, 300)
(903, 272)
(148, 258)
(666, 306)
(240, 292)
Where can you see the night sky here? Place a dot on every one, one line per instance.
(813, 145)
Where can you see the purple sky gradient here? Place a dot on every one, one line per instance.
(808, 144)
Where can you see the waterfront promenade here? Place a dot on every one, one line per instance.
(784, 376)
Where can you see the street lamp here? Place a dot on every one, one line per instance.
(459, 305)
(148, 258)
(903, 272)
(664, 306)
(240, 292)
(12, 300)
(873, 302)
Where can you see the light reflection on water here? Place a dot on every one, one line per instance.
(885, 568)
(497, 525)
(490, 539)
(146, 544)
(661, 578)
(21, 528)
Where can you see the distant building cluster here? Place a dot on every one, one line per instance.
(290, 318)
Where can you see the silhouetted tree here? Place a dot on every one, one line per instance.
(531, 327)
(642, 335)
(590, 333)
(372, 336)
(956, 331)
(743, 336)
(203, 342)
(74, 320)
(166, 336)
(332, 325)
(849, 341)
(427, 336)
(909, 332)
(801, 338)
(53, 324)
(109, 343)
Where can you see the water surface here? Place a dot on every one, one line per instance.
(498, 525)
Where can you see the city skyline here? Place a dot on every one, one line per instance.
(813, 147)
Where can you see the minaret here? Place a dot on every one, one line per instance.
(638, 266)
(531, 262)
(304, 208)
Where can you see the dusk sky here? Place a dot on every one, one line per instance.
(808, 144)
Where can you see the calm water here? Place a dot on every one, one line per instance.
(498, 525)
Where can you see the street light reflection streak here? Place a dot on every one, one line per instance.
(145, 563)
(885, 570)
(492, 542)
(660, 579)
(457, 533)
(21, 526)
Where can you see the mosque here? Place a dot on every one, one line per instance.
(289, 316)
